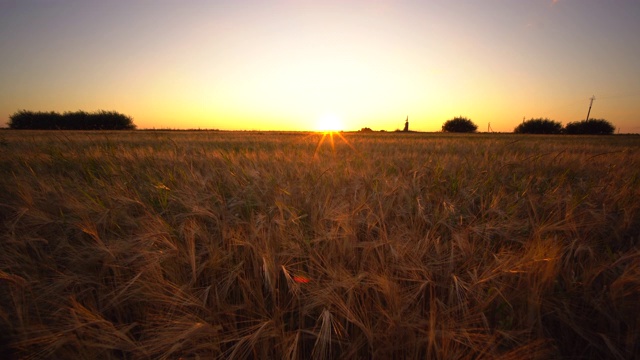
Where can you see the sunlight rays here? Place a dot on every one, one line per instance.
(330, 134)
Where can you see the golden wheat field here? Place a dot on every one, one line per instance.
(247, 245)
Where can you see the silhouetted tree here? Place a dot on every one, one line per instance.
(539, 126)
(591, 127)
(459, 124)
(79, 120)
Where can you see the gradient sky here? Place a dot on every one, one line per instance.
(288, 64)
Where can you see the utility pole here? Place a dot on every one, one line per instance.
(591, 103)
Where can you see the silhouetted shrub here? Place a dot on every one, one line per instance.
(591, 127)
(366, 129)
(79, 120)
(539, 126)
(460, 125)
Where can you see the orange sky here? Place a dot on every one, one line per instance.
(293, 64)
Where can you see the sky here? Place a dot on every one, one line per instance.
(311, 65)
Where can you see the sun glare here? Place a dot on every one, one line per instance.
(330, 126)
(329, 123)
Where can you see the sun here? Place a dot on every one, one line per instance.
(330, 126)
(329, 123)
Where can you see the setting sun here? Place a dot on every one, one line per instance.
(329, 122)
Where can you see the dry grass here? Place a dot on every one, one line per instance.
(185, 245)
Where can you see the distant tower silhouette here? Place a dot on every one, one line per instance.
(406, 124)
(591, 103)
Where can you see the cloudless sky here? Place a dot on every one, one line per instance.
(293, 64)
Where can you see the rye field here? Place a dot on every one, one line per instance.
(248, 245)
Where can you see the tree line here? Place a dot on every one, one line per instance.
(78, 120)
(539, 126)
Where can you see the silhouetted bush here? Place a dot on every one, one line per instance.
(460, 125)
(79, 120)
(539, 126)
(366, 129)
(591, 127)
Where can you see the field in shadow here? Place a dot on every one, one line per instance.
(172, 245)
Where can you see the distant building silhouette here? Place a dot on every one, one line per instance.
(406, 124)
